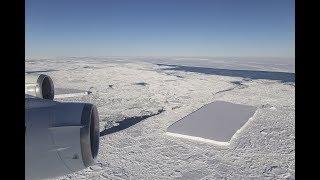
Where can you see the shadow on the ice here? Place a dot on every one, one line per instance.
(127, 122)
(41, 71)
(284, 77)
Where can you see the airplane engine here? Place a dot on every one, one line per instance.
(39, 85)
(60, 137)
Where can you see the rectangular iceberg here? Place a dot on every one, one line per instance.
(215, 122)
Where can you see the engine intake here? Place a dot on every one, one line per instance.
(39, 85)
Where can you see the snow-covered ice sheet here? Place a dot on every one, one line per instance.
(60, 93)
(144, 99)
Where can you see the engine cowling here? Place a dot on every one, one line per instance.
(61, 138)
(39, 85)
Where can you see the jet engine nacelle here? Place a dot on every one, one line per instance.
(60, 137)
(39, 85)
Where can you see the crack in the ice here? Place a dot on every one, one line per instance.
(230, 89)
(238, 84)
(127, 122)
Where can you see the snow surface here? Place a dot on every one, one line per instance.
(60, 93)
(138, 100)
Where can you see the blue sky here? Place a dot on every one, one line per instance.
(232, 28)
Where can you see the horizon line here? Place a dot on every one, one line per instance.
(158, 56)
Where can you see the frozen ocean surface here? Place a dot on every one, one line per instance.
(138, 100)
